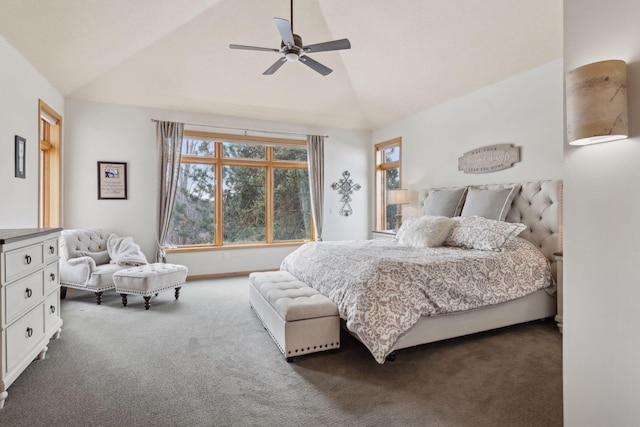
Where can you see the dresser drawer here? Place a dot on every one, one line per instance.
(22, 295)
(22, 260)
(23, 336)
(50, 250)
(51, 312)
(51, 281)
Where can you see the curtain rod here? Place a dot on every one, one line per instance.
(244, 129)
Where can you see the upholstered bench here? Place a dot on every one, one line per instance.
(299, 319)
(148, 280)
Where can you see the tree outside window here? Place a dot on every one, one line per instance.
(262, 196)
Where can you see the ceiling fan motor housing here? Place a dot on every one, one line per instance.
(292, 53)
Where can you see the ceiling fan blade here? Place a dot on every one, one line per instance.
(275, 66)
(315, 65)
(239, 46)
(285, 31)
(333, 45)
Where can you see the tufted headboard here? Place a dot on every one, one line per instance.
(538, 205)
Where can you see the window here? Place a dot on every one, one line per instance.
(240, 190)
(388, 161)
(50, 131)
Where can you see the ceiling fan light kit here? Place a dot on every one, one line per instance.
(293, 49)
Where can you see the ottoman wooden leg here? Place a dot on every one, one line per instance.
(124, 299)
(63, 292)
(99, 297)
(178, 292)
(146, 302)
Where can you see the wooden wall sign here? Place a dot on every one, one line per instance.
(490, 158)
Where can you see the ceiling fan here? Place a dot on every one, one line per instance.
(293, 49)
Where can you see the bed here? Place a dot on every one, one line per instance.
(392, 295)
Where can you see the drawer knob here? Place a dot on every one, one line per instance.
(27, 259)
(29, 332)
(52, 309)
(28, 292)
(52, 250)
(52, 276)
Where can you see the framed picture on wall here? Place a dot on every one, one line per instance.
(112, 180)
(21, 156)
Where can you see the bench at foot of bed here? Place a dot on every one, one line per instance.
(299, 319)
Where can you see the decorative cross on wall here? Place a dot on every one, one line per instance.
(345, 188)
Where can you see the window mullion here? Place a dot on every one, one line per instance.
(218, 229)
(269, 196)
(288, 164)
(389, 165)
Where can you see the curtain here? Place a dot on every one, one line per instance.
(169, 145)
(315, 155)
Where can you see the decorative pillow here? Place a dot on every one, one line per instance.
(492, 204)
(101, 257)
(427, 232)
(476, 232)
(406, 223)
(445, 202)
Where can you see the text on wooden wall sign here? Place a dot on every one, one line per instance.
(490, 158)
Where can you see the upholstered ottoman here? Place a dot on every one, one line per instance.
(299, 319)
(148, 280)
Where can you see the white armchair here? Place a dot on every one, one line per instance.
(85, 262)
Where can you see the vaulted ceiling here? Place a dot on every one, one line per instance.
(406, 55)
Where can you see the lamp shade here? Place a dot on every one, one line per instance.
(398, 197)
(596, 96)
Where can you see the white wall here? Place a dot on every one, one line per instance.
(20, 88)
(524, 110)
(601, 315)
(105, 132)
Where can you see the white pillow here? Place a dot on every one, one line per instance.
(427, 232)
(476, 232)
(406, 223)
(101, 257)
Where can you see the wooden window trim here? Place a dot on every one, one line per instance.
(381, 166)
(219, 162)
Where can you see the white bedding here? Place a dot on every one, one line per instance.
(383, 288)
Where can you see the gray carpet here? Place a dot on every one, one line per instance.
(205, 360)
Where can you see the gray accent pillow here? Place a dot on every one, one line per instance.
(100, 258)
(491, 204)
(445, 202)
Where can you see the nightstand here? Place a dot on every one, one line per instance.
(383, 234)
(559, 284)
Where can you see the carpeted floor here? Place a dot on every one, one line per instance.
(205, 360)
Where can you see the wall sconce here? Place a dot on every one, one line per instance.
(596, 97)
(398, 197)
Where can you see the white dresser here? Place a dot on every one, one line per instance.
(29, 299)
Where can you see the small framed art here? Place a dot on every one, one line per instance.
(112, 180)
(21, 157)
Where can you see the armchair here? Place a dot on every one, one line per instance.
(85, 262)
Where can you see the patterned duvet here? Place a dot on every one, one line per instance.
(382, 288)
